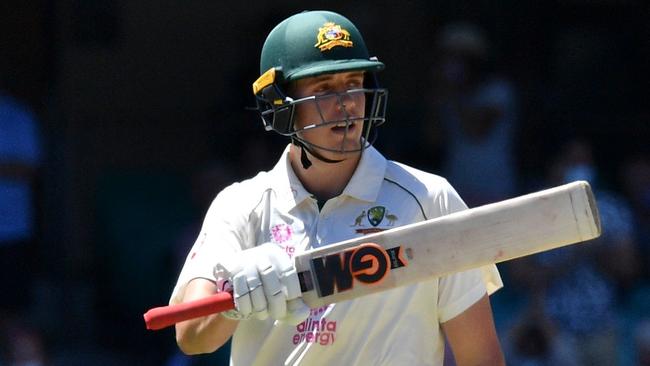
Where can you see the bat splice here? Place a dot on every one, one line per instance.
(417, 252)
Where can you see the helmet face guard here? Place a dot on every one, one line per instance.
(279, 113)
(310, 44)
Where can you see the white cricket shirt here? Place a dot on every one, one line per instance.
(399, 326)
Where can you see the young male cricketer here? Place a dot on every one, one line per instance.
(318, 86)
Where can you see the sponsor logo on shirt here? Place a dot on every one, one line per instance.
(317, 328)
(282, 234)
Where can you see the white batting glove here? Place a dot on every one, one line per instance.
(264, 283)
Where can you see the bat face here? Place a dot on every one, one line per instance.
(367, 264)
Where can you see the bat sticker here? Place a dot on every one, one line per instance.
(367, 263)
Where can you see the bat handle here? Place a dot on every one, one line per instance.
(165, 316)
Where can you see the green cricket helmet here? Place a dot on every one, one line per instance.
(309, 44)
(313, 43)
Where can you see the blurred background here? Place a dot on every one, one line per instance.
(120, 121)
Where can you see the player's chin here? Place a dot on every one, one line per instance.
(344, 149)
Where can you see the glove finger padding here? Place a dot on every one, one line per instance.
(231, 278)
(241, 295)
(293, 309)
(290, 281)
(258, 298)
(264, 283)
(273, 289)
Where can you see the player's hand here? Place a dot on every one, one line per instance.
(264, 283)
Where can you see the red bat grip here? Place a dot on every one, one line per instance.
(165, 316)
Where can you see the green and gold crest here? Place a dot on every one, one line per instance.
(376, 215)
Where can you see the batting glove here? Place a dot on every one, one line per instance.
(264, 284)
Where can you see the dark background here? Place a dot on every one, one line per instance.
(135, 97)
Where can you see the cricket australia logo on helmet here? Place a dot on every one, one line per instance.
(331, 35)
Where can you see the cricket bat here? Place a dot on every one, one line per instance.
(417, 252)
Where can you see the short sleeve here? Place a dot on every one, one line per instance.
(459, 291)
(222, 235)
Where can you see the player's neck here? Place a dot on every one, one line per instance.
(323, 180)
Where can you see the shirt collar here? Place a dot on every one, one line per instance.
(368, 177)
(364, 184)
(286, 184)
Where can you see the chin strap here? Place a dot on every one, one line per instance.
(306, 163)
(304, 159)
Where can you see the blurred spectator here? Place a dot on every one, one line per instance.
(20, 344)
(578, 285)
(19, 159)
(636, 185)
(635, 178)
(477, 114)
(534, 340)
(642, 342)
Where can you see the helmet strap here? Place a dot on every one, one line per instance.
(304, 159)
(306, 163)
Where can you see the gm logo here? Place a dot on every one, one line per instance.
(368, 263)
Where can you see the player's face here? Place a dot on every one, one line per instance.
(335, 114)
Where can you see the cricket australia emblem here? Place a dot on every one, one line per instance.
(376, 215)
(331, 35)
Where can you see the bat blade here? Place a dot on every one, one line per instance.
(417, 252)
(463, 240)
